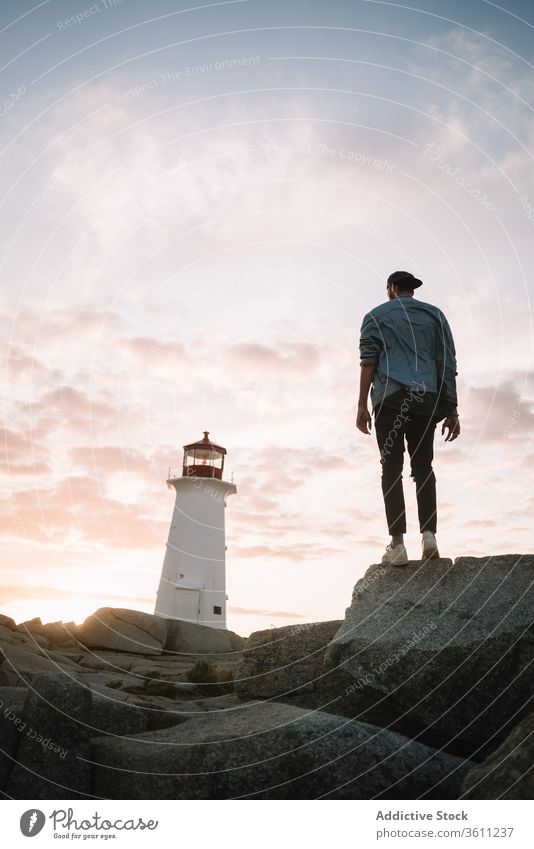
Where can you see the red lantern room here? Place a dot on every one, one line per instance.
(203, 459)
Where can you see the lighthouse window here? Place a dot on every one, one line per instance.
(217, 609)
(203, 456)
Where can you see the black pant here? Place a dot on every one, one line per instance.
(392, 425)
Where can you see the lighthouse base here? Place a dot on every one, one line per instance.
(191, 604)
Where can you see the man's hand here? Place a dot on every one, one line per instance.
(452, 423)
(363, 420)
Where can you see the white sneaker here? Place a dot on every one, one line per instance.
(429, 546)
(395, 555)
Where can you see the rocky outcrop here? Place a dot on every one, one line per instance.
(508, 773)
(135, 632)
(19, 664)
(272, 751)
(423, 691)
(65, 740)
(124, 630)
(58, 691)
(438, 651)
(47, 733)
(187, 637)
(285, 663)
(57, 633)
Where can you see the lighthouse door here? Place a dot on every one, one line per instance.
(188, 604)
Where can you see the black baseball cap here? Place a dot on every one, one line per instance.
(407, 276)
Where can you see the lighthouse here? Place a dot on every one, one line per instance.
(193, 577)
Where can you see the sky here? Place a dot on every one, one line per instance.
(198, 204)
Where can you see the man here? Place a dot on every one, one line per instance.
(408, 357)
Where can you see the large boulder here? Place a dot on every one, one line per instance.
(285, 663)
(8, 630)
(438, 651)
(30, 623)
(123, 630)
(122, 714)
(19, 665)
(31, 635)
(56, 723)
(7, 635)
(112, 715)
(11, 727)
(508, 772)
(60, 634)
(197, 640)
(272, 751)
(33, 632)
(108, 660)
(53, 752)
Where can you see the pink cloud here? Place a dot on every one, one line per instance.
(289, 358)
(47, 329)
(294, 551)
(77, 505)
(156, 351)
(498, 413)
(271, 614)
(105, 460)
(68, 405)
(480, 523)
(9, 594)
(20, 364)
(21, 455)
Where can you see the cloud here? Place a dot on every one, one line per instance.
(500, 88)
(297, 552)
(480, 523)
(498, 414)
(286, 360)
(77, 509)
(9, 594)
(109, 459)
(269, 614)
(20, 455)
(47, 329)
(67, 405)
(153, 352)
(21, 365)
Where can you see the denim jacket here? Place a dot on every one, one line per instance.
(411, 343)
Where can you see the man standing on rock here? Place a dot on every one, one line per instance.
(408, 357)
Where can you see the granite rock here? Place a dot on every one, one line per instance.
(508, 773)
(12, 701)
(285, 663)
(19, 665)
(53, 751)
(198, 640)
(272, 751)
(123, 630)
(439, 651)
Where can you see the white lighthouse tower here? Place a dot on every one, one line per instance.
(193, 578)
